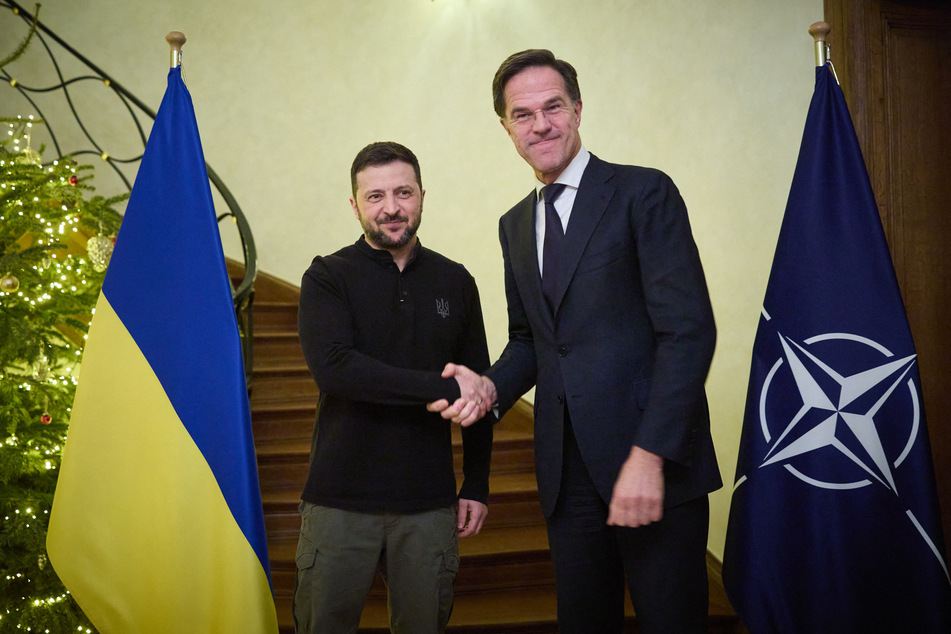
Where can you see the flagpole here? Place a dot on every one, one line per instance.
(175, 40)
(818, 31)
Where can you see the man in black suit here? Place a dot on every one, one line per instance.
(611, 321)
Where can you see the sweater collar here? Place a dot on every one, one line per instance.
(382, 256)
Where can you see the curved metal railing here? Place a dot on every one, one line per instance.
(243, 292)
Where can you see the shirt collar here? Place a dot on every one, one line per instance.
(571, 176)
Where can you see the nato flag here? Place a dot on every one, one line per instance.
(834, 524)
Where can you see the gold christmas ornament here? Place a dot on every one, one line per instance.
(9, 284)
(99, 249)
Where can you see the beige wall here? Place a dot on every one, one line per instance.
(713, 92)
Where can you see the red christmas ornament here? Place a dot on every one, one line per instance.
(46, 419)
(73, 179)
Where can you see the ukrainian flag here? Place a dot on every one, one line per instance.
(157, 524)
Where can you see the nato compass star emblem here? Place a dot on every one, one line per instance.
(850, 422)
(838, 411)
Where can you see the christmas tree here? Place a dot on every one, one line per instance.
(55, 240)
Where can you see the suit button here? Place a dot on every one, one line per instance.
(562, 351)
(561, 399)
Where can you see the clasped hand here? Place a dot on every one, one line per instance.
(477, 395)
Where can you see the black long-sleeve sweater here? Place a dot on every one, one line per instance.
(376, 340)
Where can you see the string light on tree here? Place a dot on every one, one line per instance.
(48, 288)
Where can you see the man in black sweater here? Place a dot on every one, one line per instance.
(378, 322)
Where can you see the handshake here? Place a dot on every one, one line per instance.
(477, 396)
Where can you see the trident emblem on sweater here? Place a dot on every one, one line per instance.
(442, 307)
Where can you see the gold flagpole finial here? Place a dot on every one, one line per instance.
(175, 40)
(819, 31)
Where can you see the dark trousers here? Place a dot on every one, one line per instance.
(665, 562)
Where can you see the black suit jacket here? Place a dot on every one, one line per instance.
(631, 339)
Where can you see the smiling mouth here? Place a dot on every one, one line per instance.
(544, 141)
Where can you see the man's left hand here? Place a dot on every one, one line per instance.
(472, 514)
(638, 497)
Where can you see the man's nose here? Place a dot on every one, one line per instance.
(540, 122)
(391, 205)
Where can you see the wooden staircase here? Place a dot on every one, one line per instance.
(505, 583)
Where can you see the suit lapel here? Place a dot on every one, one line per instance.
(591, 201)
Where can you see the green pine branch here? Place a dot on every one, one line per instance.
(50, 289)
(22, 46)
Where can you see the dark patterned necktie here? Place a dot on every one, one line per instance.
(554, 242)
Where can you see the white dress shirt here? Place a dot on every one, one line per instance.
(563, 205)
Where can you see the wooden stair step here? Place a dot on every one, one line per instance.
(262, 405)
(282, 421)
(296, 411)
(276, 371)
(277, 430)
(288, 382)
(274, 316)
(277, 347)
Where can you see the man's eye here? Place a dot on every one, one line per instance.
(555, 108)
(522, 117)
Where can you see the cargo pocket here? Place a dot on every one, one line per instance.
(306, 550)
(304, 585)
(306, 553)
(447, 581)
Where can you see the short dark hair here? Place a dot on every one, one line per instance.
(532, 57)
(382, 153)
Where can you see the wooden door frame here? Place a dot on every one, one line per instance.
(860, 36)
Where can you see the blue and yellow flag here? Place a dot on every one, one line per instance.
(834, 526)
(157, 524)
